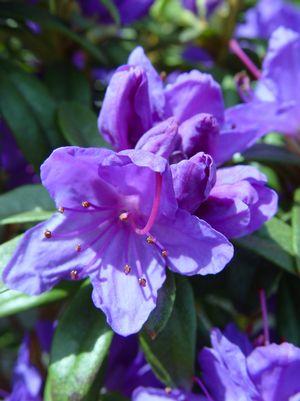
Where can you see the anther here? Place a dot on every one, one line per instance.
(123, 216)
(85, 204)
(127, 269)
(164, 253)
(78, 248)
(61, 209)
(233, 126)
(168, 390)
(142, 282)
(48, 234)
(74, 275)
(150, 240)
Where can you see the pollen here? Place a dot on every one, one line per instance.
(48, 234)
(78, 248)
(85, 204)
(61, 209)
(164, 253)
(123, 216)
(142, 282)
(127, 269)
(74, 275)
(150, 240)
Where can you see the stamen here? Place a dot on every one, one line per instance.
(61, 209)
(142, 282)
(124, 216)
(203, 388)
(150, 240)
(74, 275)
(78, 248)
(155, 206)
(48, 234)
(164, 253)
(263, 304)
(239, 52)
(168, 390)
(85, 204)
(127, 269)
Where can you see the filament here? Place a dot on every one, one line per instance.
(239, 52)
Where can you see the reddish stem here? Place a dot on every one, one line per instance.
(263, 303)
(239, 52)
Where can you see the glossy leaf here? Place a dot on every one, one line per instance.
(172, 353)
(296, 227)
(80, 344)
(25, 199)
(79, 125)
(165, 302)
(273, 154)
(288, 320)
(65, 82)
(24, 12)
(273, 242)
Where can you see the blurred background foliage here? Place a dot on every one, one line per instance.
(55, 65)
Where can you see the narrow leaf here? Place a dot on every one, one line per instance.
(80, 344)
(172, 353)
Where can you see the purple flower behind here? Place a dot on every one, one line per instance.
(233, 370)
(136, 100)
(12, 162)
(268, 15)
(27, 382)
(155, 394)
(240, 202)
(129, 10)
(118, 223)
(127, 367)
(190, 134)
(210, 5)
(196, 54)
(275, 104)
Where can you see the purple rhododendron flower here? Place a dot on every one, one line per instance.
(155, 394)
(275, 104)
(27, 382)
(268, 15)
(12, 162)
(196, 54)
(239, 203)
(129, 10)
(233, 370)
(136, 100)
(127, 368)
(119, 224)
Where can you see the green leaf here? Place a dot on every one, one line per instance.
(65, 82)
(288, 305)
(26, 217)
(296, 227)
(29, 199)
(79, 125)
(22, 121)
(172, 353)
(273, 154)
(112, 9)
(165, 302)
(81, 342)
(23, 12)
(273, 242)
(12, 302)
